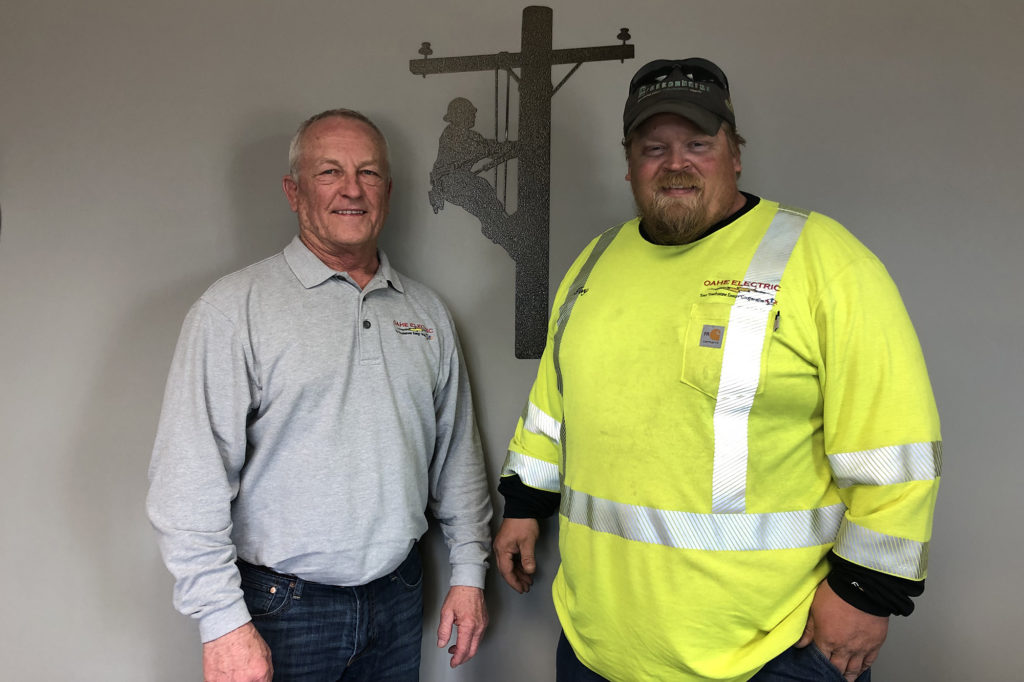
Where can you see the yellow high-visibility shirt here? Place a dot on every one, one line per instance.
(717, 417)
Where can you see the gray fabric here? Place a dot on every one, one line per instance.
(309, 442)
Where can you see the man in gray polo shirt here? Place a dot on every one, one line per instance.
(316, 406)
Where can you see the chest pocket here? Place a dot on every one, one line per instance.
(703, 340)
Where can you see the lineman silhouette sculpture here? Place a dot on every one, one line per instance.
(462, 155)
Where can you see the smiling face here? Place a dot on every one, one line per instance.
(340, 190)
(683, 180)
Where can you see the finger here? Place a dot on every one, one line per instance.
(505, 565)
(517, 579)
(529, 561)
(444, 628)
(525, 580)
(513, 580)
(501, 556)
(841, 661)
(808, 635)
(855, 666)
(461, 647)
(510, 572)
(464, 649)
(474, 634)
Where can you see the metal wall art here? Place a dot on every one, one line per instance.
(464, 155)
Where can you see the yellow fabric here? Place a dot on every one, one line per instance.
(842, 372)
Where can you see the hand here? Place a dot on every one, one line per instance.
(464, 608)
(849, 637)
(513, 550)
(239, 656)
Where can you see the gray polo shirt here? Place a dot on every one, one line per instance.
(307, 425)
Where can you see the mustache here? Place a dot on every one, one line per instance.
(680, 179)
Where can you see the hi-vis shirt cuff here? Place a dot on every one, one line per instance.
(540, 422)
(533, 472)
(888, 465)
(886, 553)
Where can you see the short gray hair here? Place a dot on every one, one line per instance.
(295, 147)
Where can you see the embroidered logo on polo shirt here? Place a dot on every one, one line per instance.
(711, 336)
(414, 328)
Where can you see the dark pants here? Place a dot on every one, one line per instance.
(792, 665)
(568, 668)
(324, 633)
(803, 665)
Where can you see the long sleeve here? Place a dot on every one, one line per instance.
(534, 452)
(458, 485)
(531, 469)
(881, 424)
(194, 473)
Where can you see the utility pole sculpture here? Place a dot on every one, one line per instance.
(524, 233)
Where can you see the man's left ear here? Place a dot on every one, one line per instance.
(291, 190)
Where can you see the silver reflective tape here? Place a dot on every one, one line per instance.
(566, 309)
(540, 422)
(574, 291)
(531, 471)
(711, 532)
(886, 553)
(741, 359)
(888, 465)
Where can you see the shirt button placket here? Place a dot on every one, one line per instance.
(369, 341)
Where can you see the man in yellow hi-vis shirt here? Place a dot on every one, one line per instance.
(733, 419)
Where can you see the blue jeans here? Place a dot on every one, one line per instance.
(568, 668)
(324, 633)
(803, 665)
(792, 665)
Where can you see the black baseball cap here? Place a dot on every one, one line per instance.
(694, 88)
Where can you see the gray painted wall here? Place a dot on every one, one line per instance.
(141, 146)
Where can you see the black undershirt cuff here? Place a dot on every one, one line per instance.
(879, 594)
(524, 502)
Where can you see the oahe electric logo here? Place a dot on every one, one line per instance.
(414, 328)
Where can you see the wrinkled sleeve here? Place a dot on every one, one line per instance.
(881, 424)
(534, 452)
(530, 476)
(530, 479)
(458, 484)
(199, 451)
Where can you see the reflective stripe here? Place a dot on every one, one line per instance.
(540, 422)
(534, 472)
(574, 290)
(888, 465)
(886, 553)
(741, 360)
(711, 532)
(566, 309)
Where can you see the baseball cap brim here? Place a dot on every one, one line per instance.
(708, 122)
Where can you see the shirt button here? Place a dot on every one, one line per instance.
(366, 324)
